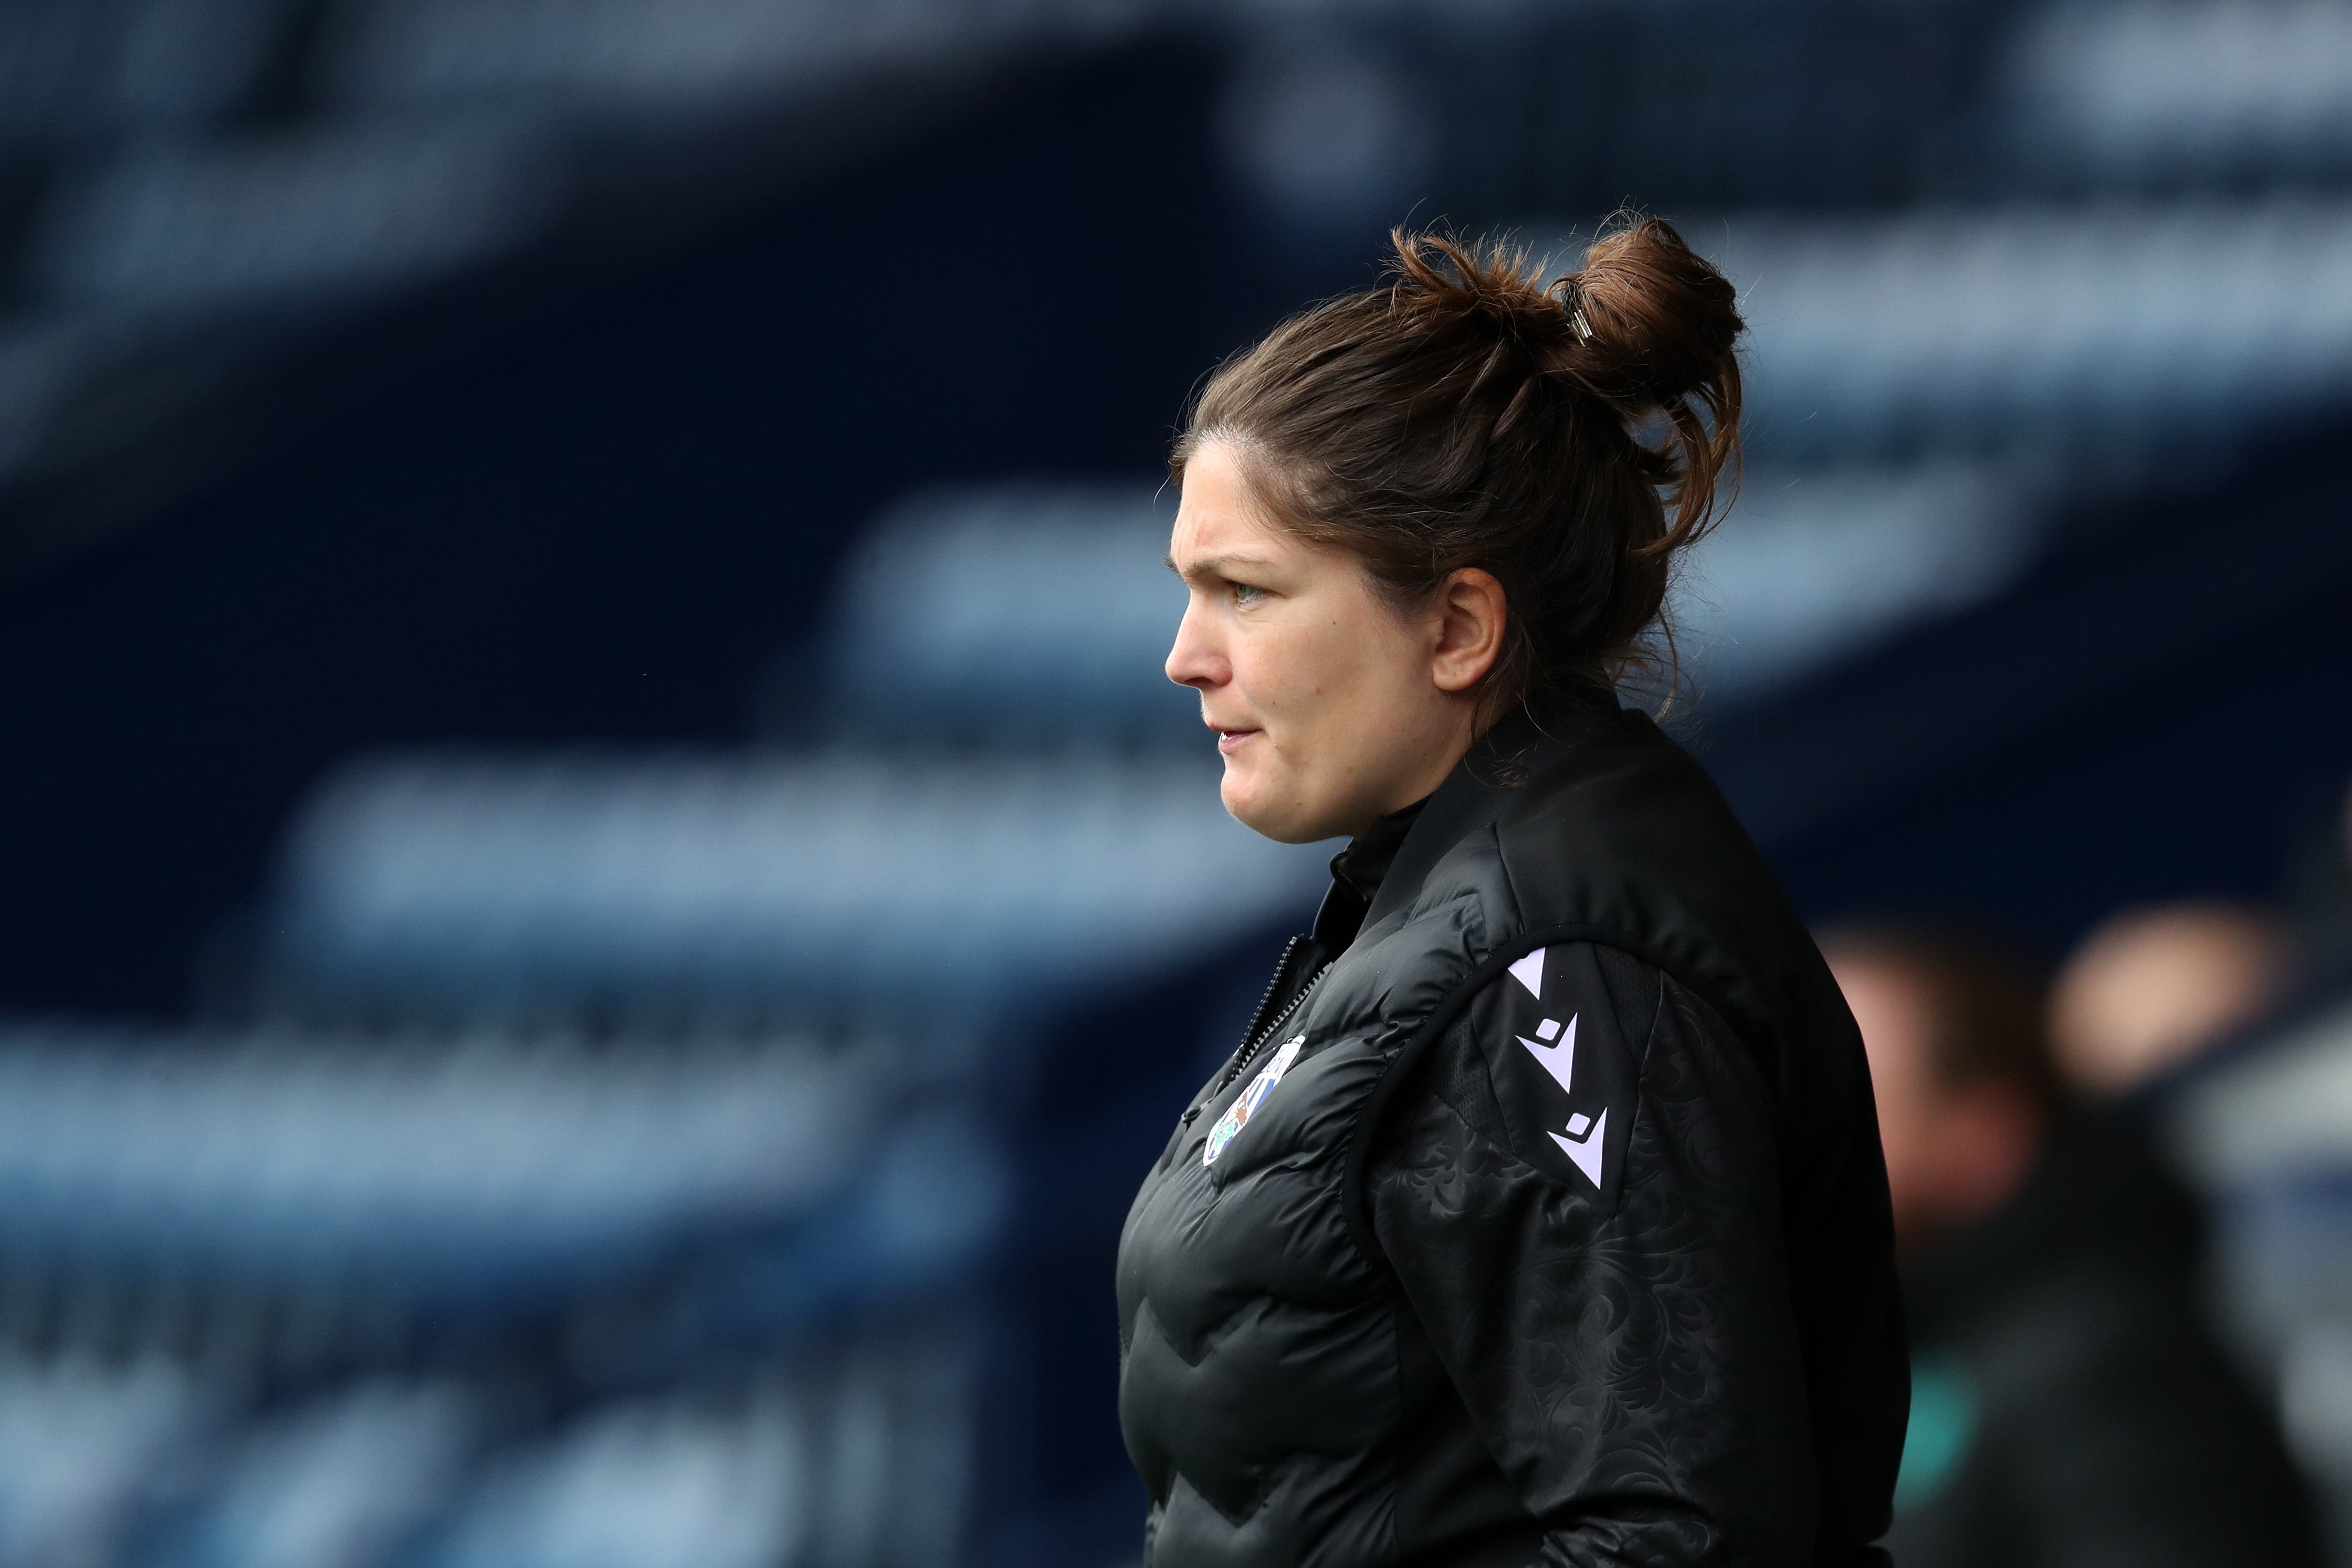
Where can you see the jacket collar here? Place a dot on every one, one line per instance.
(1481, 787)
(1357, 873)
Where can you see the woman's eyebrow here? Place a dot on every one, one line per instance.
(1216, 565)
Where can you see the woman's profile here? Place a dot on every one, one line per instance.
(1539, 1215)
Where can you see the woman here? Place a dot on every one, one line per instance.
(1540, 1217)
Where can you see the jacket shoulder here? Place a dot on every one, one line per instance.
(1625, 836)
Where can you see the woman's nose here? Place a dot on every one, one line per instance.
(1193, 662)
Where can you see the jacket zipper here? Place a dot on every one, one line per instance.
(1255, 1041)
(1273, 985)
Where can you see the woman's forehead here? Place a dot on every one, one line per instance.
(1218, 524)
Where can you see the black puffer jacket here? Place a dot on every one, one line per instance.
(1547, 1224)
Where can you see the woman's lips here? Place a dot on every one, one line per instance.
(1230, 740)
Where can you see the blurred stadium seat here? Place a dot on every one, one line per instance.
(1813, 564)
(1011, 616)
(2144, 93)
(2048, 332)
(1932, 392)
(297, 1295)
(842, 883)
(420, 1173)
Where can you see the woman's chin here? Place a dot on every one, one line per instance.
(1245, 803)
(1281, 820)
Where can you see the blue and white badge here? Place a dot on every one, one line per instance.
(1237, 1115)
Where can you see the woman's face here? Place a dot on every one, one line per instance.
(1332, 708)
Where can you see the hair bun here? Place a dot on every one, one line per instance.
(1656, 319)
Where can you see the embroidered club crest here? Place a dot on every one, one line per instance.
(1238, 1113)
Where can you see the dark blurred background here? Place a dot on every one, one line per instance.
(601, 900)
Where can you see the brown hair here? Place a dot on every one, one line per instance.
(1986, 1001)
(1464, 414)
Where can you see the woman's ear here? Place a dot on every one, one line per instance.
(1471, 615)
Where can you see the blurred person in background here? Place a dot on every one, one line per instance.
(1539, 1215)
(2149, 989)
(2070, 1404)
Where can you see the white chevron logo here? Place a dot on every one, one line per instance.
(1586, 1151)
(1559, 1061)
(1528, 972)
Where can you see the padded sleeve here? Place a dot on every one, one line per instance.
(1577, 1193)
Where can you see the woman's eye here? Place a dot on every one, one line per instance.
(1245, 593)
